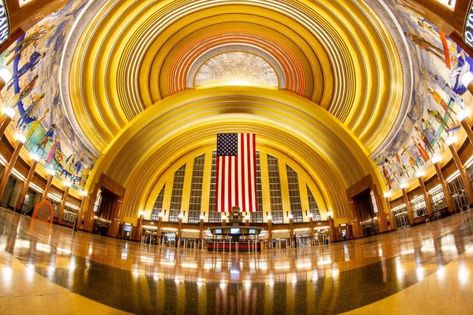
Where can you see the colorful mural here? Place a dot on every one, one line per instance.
(438, 97)
(33, 92)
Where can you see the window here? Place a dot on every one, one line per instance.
(275, 189)
(196, 189)
(313, 208)
(214, 216)
(176, 197)
(418, 206)
(294, 194)
(158, 205)
(257, 216)
(438, 200)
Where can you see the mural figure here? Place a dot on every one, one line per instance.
(35, 58)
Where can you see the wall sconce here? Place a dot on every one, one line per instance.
(420, 173)
(436, 158)
(463, 114)
(451, 140)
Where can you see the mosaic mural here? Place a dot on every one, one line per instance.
(33, 93)
(438, 97)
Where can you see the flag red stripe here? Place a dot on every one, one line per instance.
(248, 177)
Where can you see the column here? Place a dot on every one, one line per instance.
(160, 224)
(392, 219)
(311, 226)
(355, 221)
(179, 226)
(428, 203)
(9, 167)
(67, 185)
(458, 163)
(333, 235)
(270, 230)
(443, 183)
(82, 210)
(291, 228)
(139, 227)
(382, 224)
(410, 215)
(115, 218)
(26, 183)
(51, 173)
(201, 229)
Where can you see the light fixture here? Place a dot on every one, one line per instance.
(310, 215)
(20, 137)
(269, 217)
(10, 112)
(451, 140)
(290, 216)
(141, 213)
(83, 193)
(180, 216)
(403, 184)
(5, 75)
(35, 157)
(436, 158)
(463, 114)
(202, 217)
(420, 173)
(51, 171)
(161, 215)
(388, 194)
(466, 78)
(67, 183)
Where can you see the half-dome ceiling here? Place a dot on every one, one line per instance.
(390, 77)
(127, 56)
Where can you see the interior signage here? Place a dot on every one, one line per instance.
(4, 27)
(468, 31)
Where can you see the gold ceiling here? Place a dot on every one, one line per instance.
(129, 67)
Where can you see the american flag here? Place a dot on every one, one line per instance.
(236, 171)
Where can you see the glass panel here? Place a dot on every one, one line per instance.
(294, 194)
(176, 197)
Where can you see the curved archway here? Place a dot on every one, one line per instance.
(42, 209)
(179, 124)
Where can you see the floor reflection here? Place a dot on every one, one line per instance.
(148, 279)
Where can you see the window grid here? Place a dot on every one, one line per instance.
(275, 189)
(313, 208)
(196, 189)
(257, 216)
(214, 216)
(176, 197)
(158, 205)
(294, 194)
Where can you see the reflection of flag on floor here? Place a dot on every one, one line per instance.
(236, 171)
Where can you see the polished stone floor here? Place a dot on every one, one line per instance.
(47, 269)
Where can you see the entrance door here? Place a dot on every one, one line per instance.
(402, 220)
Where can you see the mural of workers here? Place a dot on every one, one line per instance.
(40, 112)
(439, 97)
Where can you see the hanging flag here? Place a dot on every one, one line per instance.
(236, 171)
